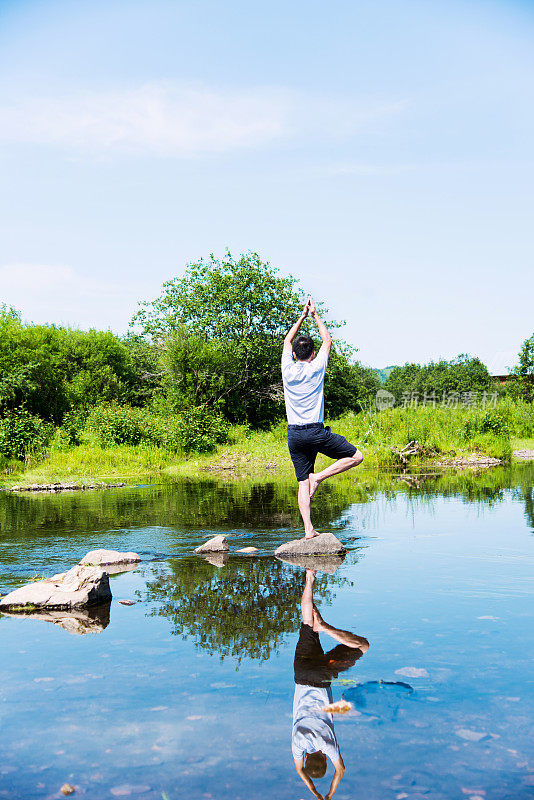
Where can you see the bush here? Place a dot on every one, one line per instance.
(197, 429)
(114, 424)
(73, 425)
(23, 435)
(201, 430)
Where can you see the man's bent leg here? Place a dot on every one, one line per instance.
(341, 465)
(304, 508)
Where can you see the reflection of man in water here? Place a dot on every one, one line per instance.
(313, 737)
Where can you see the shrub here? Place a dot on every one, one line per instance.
(23, 435)
(197, 429)
(114, 424)
(73, 425)
(201, 429)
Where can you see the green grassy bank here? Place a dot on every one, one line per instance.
(443, 434)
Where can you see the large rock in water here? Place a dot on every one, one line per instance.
(79, 587)
(218, 544)
(320, 545)
(99, 558)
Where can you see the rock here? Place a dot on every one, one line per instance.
(327, 564)
(412, 672)
(99, 558)
(216, 544)
(323, 544)
(67, 788)
(470, 735)
(78, 587)
(92, 620)
(127, 602)
(247, 550)
(64, 487)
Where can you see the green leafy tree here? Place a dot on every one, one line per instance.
(348, 385)
(463, 374)
(220, 330)
(49, 370)
(521, 382)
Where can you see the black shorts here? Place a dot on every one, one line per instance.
(314, 667)
(309, 666)
(305, 441)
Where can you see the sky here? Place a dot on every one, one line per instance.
(380, 152)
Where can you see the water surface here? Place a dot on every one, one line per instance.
(189, 692)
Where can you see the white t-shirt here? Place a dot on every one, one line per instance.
(313, 729)
(304, 388)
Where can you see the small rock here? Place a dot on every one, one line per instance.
(127, 789)
(412, 672)
(248, 550)
(470, 735)
(103, 557)
(67, 788)
(216, 544)
(127, 602)
(322, 544)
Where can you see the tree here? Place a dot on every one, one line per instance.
(463, 374)
(220, 329)
(348, 385)
(49, 369)
(521, 383)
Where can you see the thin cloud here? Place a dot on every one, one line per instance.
(181, 121)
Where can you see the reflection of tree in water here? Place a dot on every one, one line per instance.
(528, 496)
(243, 609)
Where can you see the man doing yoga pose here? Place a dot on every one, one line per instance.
(303, 377)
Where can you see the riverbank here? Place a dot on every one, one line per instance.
(448, 438)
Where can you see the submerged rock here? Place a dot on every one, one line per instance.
(78, 587)
(105, 557)
(247, 550)
(92, 620)
(216, 544)
(322, 544)
(328, 563)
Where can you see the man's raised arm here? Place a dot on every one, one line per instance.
(295, 329)
(323, 332)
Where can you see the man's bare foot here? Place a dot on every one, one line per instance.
(311, 534)
(314, 483)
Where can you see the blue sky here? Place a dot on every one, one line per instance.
(381, 152)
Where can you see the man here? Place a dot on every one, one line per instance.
(303, 377)
(313, 737)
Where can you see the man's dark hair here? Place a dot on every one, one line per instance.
(303, 347)
(315, 765)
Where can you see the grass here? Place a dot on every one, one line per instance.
(444, 433)
(93, 462)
